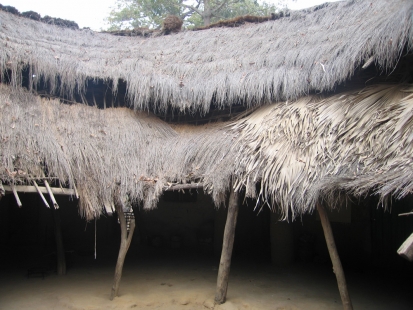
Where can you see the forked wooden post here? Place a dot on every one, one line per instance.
(227, 246)
(332, 250)
(125, 240)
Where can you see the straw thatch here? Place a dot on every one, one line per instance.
(101, 152)
(308, 51)
(295, 152)
(298, 151)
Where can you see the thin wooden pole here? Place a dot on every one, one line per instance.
(75, 190)
(227, 246)
(13, 188)
(41, 195)
(61, 258)
(125, 240)
(174, 187)
(49, 190)
(2, 191)
(335, 259)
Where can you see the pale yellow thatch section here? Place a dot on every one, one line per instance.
(359, 142)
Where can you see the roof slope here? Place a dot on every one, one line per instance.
(311, 50)
(299, 152)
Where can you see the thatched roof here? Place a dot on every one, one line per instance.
(298, 152)
(311, 146)
(309, 51)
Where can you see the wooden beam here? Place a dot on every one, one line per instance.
(13, 188)
(125, 241)
(49, 190)
(406, 249)
(175, 187)
(227, 246)
(32, 189)
(73, 192)
(335, 258)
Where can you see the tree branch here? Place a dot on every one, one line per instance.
(190, 7)
(219, 7)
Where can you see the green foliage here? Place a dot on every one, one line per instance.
(150, 13)
(244, 7)
(142, 13)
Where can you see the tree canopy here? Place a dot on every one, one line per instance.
(150, 13)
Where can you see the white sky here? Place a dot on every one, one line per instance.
(91, 13)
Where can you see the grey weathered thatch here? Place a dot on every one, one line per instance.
(311, 50)
(306, 148)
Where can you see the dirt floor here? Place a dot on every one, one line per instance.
(179, 280)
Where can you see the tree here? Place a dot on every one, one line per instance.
(150, 13)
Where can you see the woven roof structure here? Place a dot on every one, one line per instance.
(302, 142)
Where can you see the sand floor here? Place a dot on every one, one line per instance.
(187, 281)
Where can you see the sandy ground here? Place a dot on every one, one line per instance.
(187, 281)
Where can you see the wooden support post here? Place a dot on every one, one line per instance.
(13, 188)
(125, 240)
(337, 267)
(60, 251)
(227, 246)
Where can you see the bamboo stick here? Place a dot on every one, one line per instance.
(335, 258)
(227, 246)
(13, 188)
(406, 214)
(75, 190)
(41, 194)
(49, 190)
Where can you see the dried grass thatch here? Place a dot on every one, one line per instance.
(298, 151)
(313, 148)
(311, 50)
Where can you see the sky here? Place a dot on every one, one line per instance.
(91, 13)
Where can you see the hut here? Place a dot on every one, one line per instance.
(296, 113)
